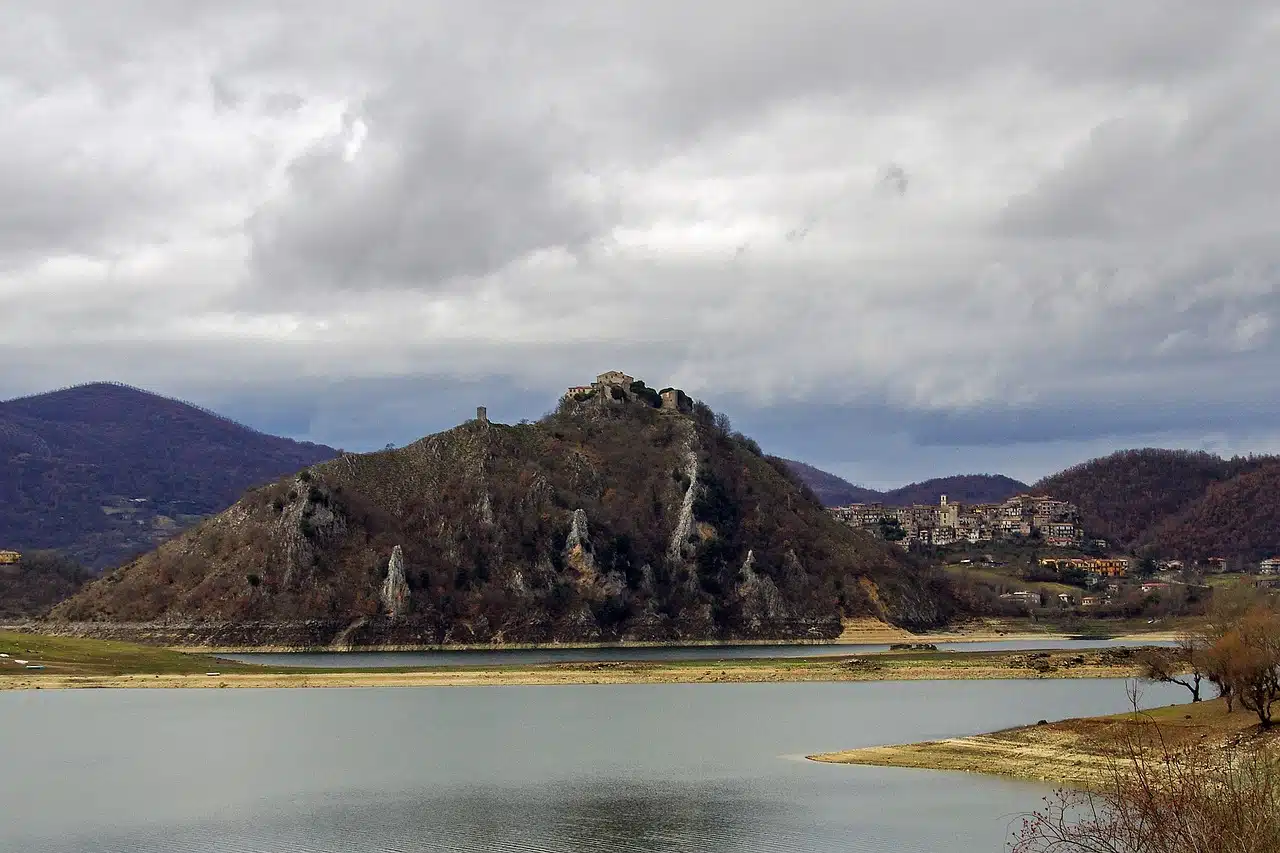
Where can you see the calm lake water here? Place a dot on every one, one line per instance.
(484, 657)
(698, 768)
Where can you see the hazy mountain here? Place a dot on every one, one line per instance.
(102, 472)
(962, 488)
(830, 489)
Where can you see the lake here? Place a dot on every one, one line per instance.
(528, 657)
(667, 767)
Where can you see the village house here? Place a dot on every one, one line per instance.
(1112, 567)
(1091, 601)
(1270, 566)
(9, 558)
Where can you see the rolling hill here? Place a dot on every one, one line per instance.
(830, 489)
(962, 488)
(104, 471)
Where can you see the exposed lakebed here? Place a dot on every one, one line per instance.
(619, 768)
(537, 657)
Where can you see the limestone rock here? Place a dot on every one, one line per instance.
(679, 545)
(577, 546)
(395, 589)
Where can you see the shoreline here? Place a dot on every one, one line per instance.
(915, 666)
(1082, 753)
(885, 638)
(856, 632)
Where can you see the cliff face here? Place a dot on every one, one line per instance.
(611, 519)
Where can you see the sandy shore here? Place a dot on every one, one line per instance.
(1082, 752)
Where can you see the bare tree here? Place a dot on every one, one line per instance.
(1160, 800)
(1184, 664)
(1252, 655)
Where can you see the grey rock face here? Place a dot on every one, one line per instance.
(395, 589)
(684, 523)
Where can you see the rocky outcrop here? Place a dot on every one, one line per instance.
(758, 596)
(598, 523)
(577, 545)
(395, 589)
(307, 524)
(679, 545)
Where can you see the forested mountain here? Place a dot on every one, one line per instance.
(104, 471)
(963, 488)
(615, 517)
(830, 489)
(1236, 518)
(38, 582)
(1124, 496)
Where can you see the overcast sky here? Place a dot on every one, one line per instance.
(894, 239)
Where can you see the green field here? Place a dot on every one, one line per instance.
(76, 656)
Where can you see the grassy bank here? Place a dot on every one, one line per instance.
(77, 662)
(1080, 752)
(76, 656)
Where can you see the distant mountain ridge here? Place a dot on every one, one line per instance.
(964, 488)
(830, 489)
(104, 470)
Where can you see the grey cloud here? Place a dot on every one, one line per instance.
(894, 179)
(703, 178)
(431, 194)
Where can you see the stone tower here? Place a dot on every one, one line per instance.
(482, 414)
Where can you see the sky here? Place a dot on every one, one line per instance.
(893, 239)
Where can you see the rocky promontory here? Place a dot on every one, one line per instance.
(627, 514)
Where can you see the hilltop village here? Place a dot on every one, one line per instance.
(1026, 578)
(1056, 522)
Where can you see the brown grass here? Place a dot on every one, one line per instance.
(1079, 752)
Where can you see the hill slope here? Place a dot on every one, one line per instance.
(103, 471)
(37, 583)
(609, 519)
(1124, 496)
(963, 488)
(1238, 518)
(830, 489)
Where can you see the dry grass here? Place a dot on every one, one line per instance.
(1080, 752)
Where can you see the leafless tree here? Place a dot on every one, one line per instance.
(1184, 664)
(1160, 800)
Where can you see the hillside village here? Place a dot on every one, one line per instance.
(1055, 522)
(1034, 524)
